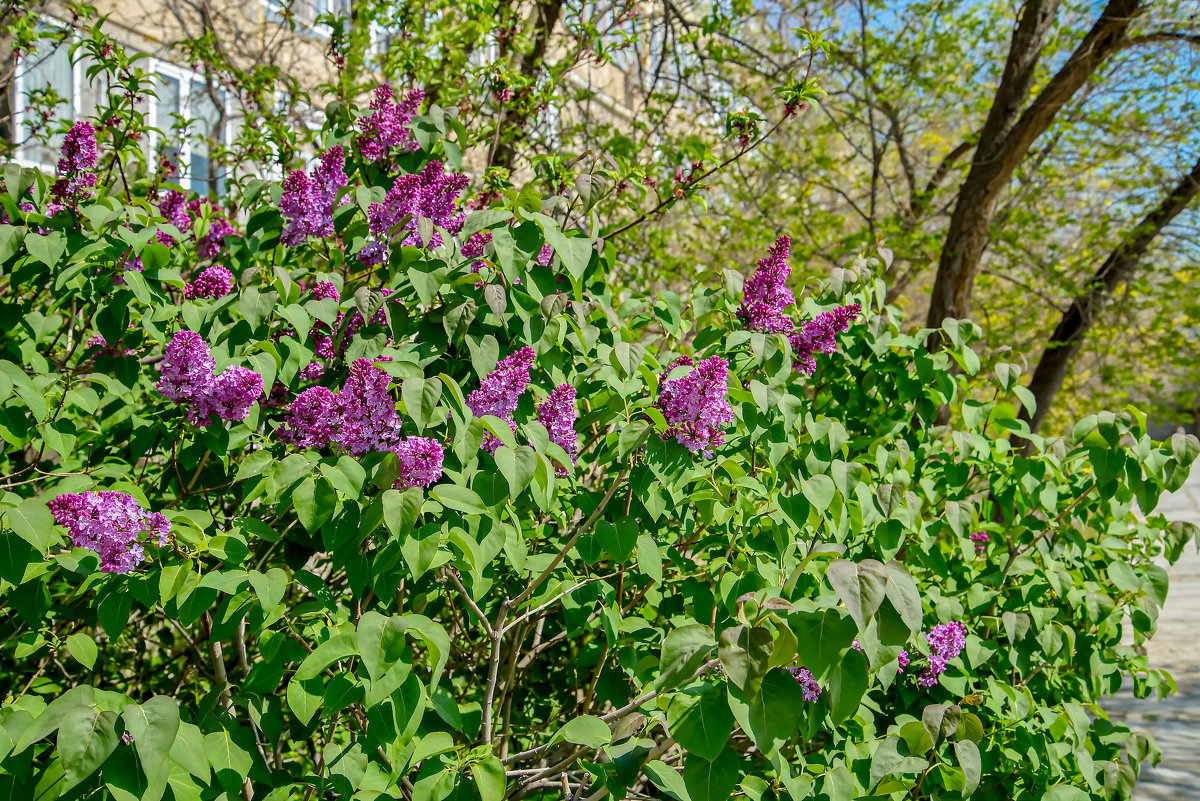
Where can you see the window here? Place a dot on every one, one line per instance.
(306, 12)
(185, 112)
(192, 116)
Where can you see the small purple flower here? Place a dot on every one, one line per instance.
(214, 282)
(173, 206)
(545, 255)
(819, 335)
(308, 203)
(111, 524)
(558, 413)
(127, 738)
(808, 683)
(229, 395)
(696, 405)
(325, 290)
(501, 390)
(981, 540)
(946, 641)
(420, 462)
(386, 127)
(432, 193)
(903, 659)
(368, 420)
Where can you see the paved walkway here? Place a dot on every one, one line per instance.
(1175, 721)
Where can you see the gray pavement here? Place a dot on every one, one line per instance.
(1174, 721)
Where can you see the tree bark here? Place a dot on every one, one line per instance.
(1069, 334)
(1007, 135)
(545, 14)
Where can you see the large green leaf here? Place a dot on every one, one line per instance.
(711, 780)
(701, 725)
(824, 638)
(745, 653)
(86, 737)
(861, 586)
(684, 650)
(153, 726)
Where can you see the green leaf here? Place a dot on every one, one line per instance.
(667, 779)
(819, 490)
(711, 780)
(154, 726)
(904, 597)
(847, 686)
(489, 778)
(517, 466)
(585, 730)
(861, 587)
(380, 642)
(340, 646)
(269, 588)
(82, 648)
(702, 726)
(460, 499)
(400, 510)
(86, 737)
(971, 763)
(824, 638)
(32, 522)
(420, 396)
(683, 652)
(940, 721)
(649, 558)
(745, 653)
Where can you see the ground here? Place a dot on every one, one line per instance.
(1175, 721)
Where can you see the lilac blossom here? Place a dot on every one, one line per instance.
(767, 297)
(312, 419)
(187, 377)
(432, 193)
(695, 405)
(981, 540)
(214, 282)
(818, 335)
(420, 462)
(545, 255)
(946, 641)
(808, 683)
(386, 127)
(500, 391)
(557, 413)
(76, 176)
(308, 203)
(111, 524)
(368, 420)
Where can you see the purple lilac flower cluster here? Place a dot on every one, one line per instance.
(765, 305)
(981, 540)
(76, 176)
(111, 524)
(766, 297)
(696, 405)
(818, 335)
(431, 193)
(386, 127)
(946, 641)
(182, 213)
(187, 377)
(213, 282)
(361, 418)
(500, 391)
(308, 203)
(808, 683)
(558, 413)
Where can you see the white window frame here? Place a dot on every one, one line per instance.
(21, 93)
(161, 123)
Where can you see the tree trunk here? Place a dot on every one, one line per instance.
(1068, 335)
(545, 16)
(1006, 137)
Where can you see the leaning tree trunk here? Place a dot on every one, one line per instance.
(1069, 334)
(1007, 136)
(544, 17)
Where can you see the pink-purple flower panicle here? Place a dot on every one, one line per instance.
(112, 524)
(501, 390)
(819, 335)
(981, 540)
(213, 282)
(76, 169)
(558, 413)
(946, 641)
(308, 202)
(420, 462)
(767, 297)
(387, 126)
(696, 405)
(187, 377)
(545, 255)
(432, 193)
(182, 213)
(808, 683)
